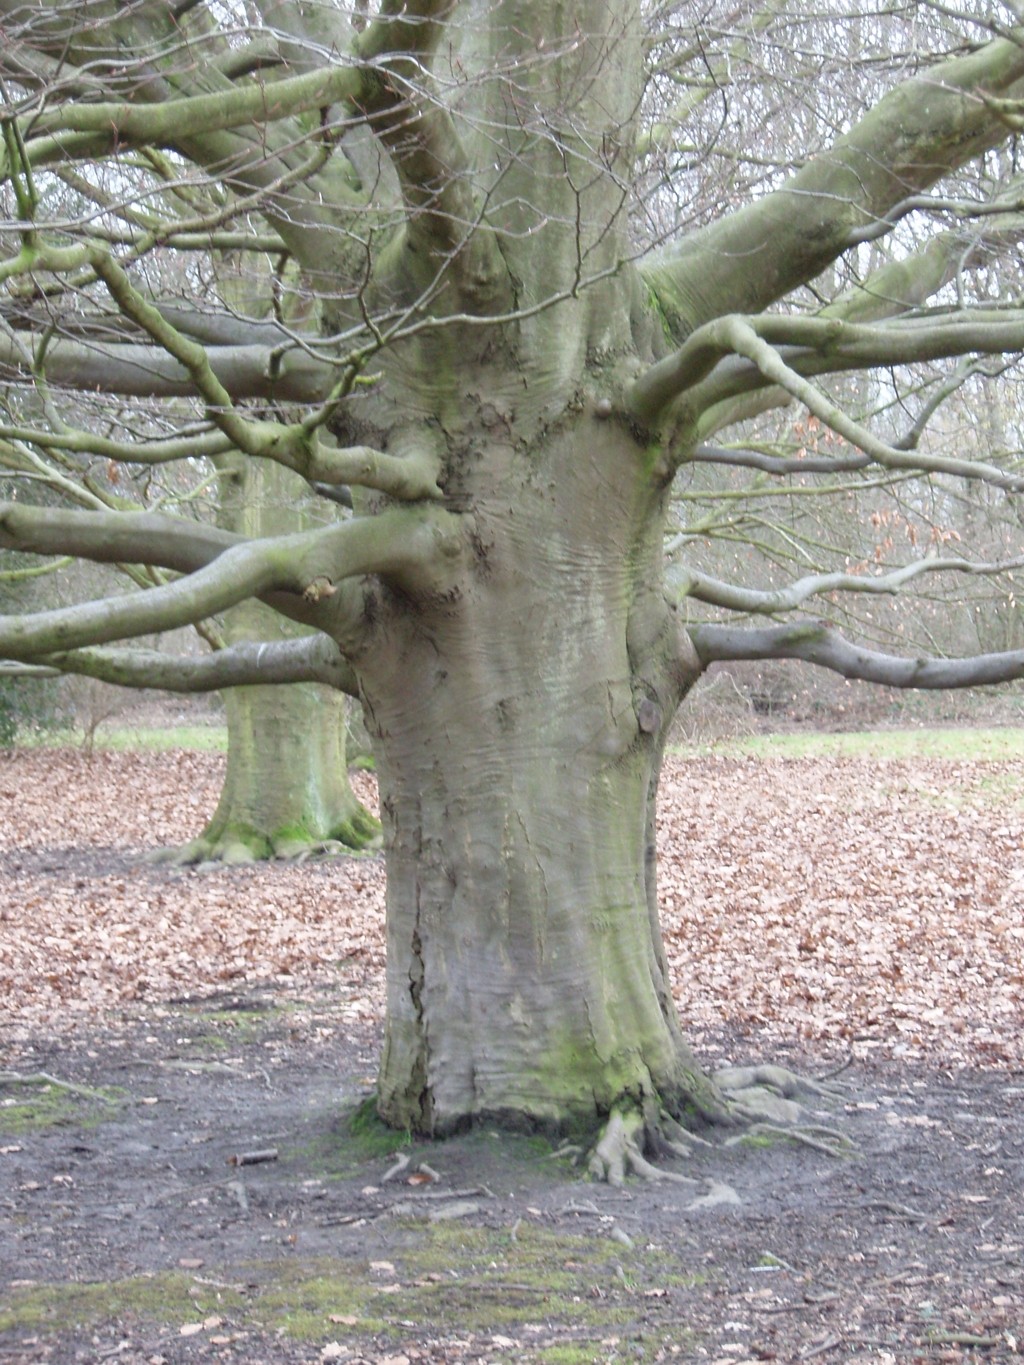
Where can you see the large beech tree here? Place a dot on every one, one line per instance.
(504, 328)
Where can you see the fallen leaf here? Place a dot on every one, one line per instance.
(813, 900)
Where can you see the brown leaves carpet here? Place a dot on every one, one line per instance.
(874, 905)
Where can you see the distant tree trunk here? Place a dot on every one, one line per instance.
(287, 789)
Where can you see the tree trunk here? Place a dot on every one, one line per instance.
(518, 727)
(287, 787)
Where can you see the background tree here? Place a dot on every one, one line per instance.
(286, 789)
(511, 332)
(286, 792)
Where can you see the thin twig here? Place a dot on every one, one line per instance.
(901, 1210)
(44, 1078)
(827, 1345)
(836, 1071)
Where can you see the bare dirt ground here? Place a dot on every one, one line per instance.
(162, 1028)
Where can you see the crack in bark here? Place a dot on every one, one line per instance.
(419, 1083)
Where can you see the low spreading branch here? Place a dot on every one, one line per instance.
(113, 537)
(312, 658)
(239, 573)
(826, 345)
(415, 547)
(817, 643)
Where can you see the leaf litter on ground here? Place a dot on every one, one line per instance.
(822, 906)
(870, 904)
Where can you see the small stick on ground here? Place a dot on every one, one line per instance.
(44, 1078)
(253, 1158)
(963, 1339)
(836, 1070)
(829, 1344)
(470, 1192)
(900, 1210)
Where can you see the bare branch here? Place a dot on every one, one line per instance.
(815, 642)
(100, 128)
(416, 547)
(113, 537)
(133, 369)
(777, 464)
(184, 447)
(783, 350)
(312, 658)
(239, 573)
(840, 346)
(963, 209)
(924, 128)
(716, 593)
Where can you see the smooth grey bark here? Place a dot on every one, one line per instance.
(815, 642)
(518, 732)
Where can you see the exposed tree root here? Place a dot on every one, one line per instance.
(231, 850)
(827, 1140)
(788, 1085)
(765, 1101)
(401, 1164)
(619, 1151)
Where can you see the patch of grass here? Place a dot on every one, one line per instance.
(473, 1281)
(173, 1297)
(756, 1140)
(576, 1353)
(242, 1025)
(966, 745)
(574, 1290)
(367, 1137)
(313, 1302)
(202, 737)
(33, 1103)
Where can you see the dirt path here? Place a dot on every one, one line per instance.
(159, 1026)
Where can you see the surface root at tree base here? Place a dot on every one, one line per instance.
(204, 855)
(764, 1100)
